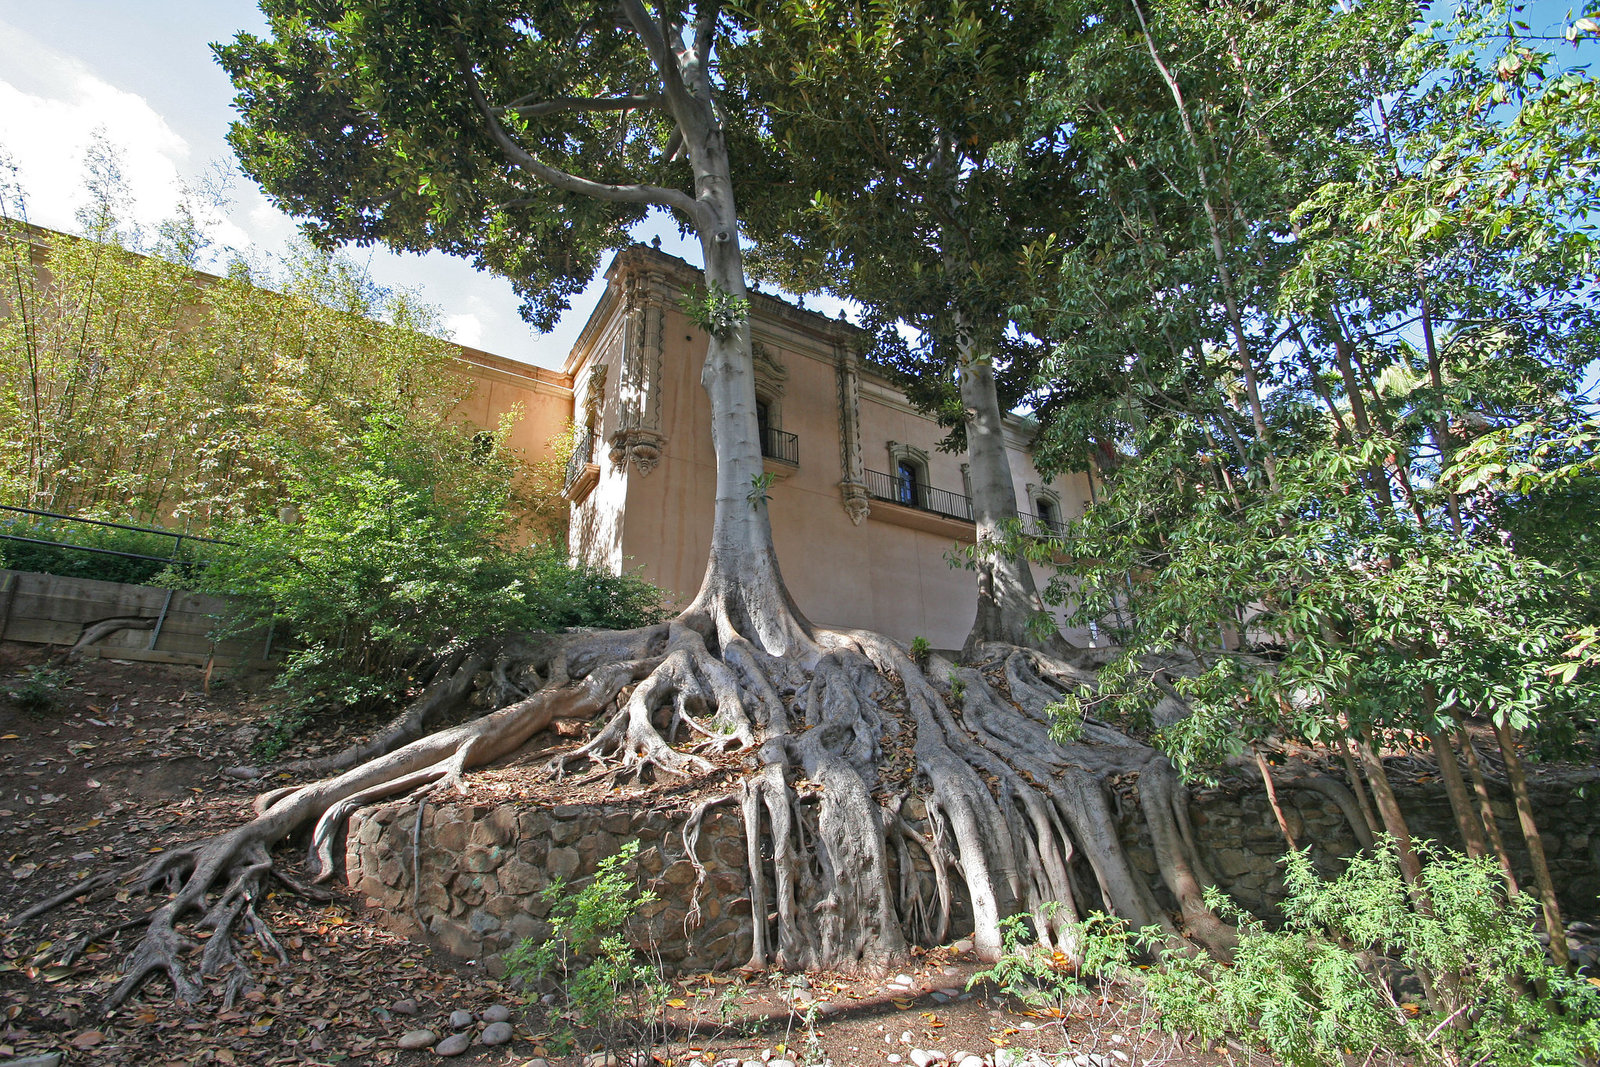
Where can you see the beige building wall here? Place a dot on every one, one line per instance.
(850, 560)
(540, 399)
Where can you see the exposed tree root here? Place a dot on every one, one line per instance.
(881, 800)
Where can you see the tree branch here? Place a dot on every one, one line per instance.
(580, 103)
(705, 28)
(679, 99)
(673, 199)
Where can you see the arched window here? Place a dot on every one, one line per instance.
(1046, 510)
(909, 483)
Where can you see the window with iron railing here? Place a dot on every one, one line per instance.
(908, 489)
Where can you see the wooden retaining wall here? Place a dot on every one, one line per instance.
(177, 626)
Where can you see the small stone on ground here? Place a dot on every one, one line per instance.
(417, 1039)
(454, 1045)
(496, 1033)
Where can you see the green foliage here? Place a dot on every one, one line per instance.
(399, 555)
(1405, 535)
(759, 484)
(37, 689)
(588, 956)
(920, 650)
(1039, 977)
(1334, 980)
(361, 121)
(715, 310)
(173, 562)
(131, 384)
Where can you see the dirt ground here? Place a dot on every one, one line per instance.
(127, 762)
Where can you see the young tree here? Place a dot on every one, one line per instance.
(1410, 273)
(133, 385)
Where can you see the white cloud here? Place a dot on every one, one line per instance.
(50, 107)
(465, 330)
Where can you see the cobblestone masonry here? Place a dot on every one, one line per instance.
(483, 866)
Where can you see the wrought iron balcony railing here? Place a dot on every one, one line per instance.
(582, 456)
(783, 447)
(911, 494)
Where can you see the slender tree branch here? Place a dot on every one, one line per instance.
(580, 103)
(673, 199)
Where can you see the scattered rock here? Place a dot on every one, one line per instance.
(404, 1007)
(601, 1059)
(460, 1019)
(537, 1061)
(549, 1000)
(780, 1063)
(962, 947)
(902, 980)
(970, 1061)
(417, 1039)
(454, 1045)
(729, 1062)
(827, 1008)
(894, 1057)
(941, 997)
(496, 1033)
(923, 1057)
(496, 1013)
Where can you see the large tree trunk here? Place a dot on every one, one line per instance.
(1009, 607)
(742, 593)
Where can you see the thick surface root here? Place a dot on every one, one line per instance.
(884, 803)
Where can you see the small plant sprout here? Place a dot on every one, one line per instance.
(715, 310)
(759, 484)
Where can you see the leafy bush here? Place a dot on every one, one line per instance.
(588, 956)
(58, 558)
(36, 690)
(397, 556)
(1348, 972)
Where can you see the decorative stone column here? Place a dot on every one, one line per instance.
(638, 436)
(853, 483)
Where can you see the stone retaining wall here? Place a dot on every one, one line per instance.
(484, 866)
(484, 869)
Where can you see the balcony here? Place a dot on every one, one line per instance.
(907, 494)
(780, 446)
(583, 473)
(1034, 526)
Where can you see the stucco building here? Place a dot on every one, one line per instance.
(865, 510)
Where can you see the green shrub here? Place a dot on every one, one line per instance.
(37, 689)
(604, 984)
(57, 558)
(1345, 976)
(397, 556)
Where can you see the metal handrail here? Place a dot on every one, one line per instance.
(784, 447)
(177, 538)
(113, 525)
(887, 487)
